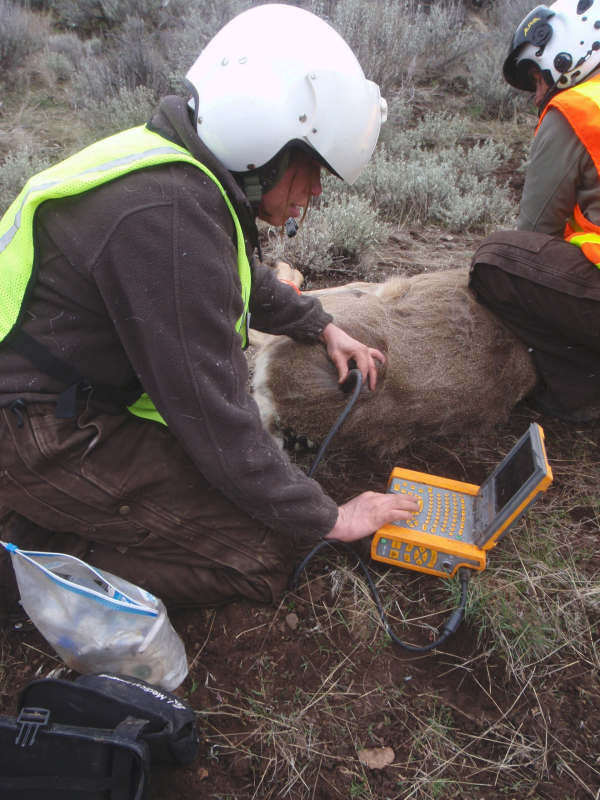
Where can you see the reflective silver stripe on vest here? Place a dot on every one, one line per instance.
(158, 151)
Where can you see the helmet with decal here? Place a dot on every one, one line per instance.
(563, 40)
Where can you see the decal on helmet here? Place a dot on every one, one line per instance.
(559, 41)
(530, 25)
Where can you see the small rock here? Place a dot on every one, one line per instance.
(292, 621)
(377, 758)
(202, 773)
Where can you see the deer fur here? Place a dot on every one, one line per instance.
(451, 367)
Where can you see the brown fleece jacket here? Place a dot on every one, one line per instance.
(139, 276)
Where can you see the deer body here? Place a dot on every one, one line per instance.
(451, 367)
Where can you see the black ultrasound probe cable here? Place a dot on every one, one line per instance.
(464, 574)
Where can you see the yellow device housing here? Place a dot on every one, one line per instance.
(458, 522)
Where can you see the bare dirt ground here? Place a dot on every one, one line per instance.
(288, 696)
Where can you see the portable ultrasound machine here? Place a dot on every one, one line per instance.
(457, 523)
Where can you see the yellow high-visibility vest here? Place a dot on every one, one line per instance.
(104, 161)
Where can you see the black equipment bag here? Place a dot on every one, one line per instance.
(105, 700)
(40, 759)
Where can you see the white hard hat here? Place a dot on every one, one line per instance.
(276, 76)
(563, 40)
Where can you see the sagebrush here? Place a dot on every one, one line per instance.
(15, 172)
(397, 40)
(21, 32)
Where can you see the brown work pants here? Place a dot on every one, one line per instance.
(124, 496)
(548, 294)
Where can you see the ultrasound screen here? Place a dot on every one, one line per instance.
(513, 475)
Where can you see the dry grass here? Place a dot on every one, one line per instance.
(540, 600)
(536, 608)
(443, 748)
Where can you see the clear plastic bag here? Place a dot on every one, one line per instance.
(97, 622)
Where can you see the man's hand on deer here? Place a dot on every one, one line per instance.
(341, 348)
(365, 514)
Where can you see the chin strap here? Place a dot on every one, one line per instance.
(194, 92)
(253, 191)
(552, 91)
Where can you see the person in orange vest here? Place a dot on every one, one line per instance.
(543, 280)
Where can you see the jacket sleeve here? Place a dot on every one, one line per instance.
(278, 309)
(169, 278)
(558, 168)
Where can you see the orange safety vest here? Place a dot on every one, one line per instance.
(581, 106)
